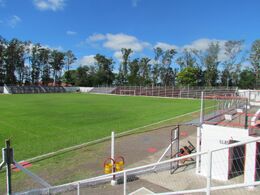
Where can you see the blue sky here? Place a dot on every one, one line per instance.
(88, 27)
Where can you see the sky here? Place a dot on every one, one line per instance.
(88, 27)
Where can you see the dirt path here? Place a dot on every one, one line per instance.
(137, 149)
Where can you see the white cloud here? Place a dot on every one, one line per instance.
(165, 46)
(96, 37)
(118, 41)
(59, 48)
(118, 56)
(53, 5)
(13, 21)
(69, 32)
(87, 60)
(203, 44)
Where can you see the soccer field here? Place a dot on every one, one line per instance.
(42, 123)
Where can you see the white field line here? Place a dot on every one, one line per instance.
(40, 157)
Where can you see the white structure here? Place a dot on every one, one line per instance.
(6, 90)
(252, 95)
(228, 163)
(213, 137)
(85, 89)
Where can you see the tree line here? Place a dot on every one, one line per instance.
(27, 63)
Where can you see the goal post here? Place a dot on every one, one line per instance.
(127, 92)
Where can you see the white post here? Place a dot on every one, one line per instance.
(113, 181)
(125, 180)
(209, 166)
(202, 108)
(199, 133)
(112, 145)
(78, 189)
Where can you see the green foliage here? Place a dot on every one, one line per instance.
(133, 77)
(69, 59)
(188, 76)
(28, 63)
(247, 79)
(255, 61)
(104, 73)
(211, 62)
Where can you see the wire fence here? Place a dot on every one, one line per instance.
(166, 91)
(231, 169)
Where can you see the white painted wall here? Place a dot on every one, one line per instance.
(254, 95)
(249, 175)
(6, 91)
(213, 137)
(85, 89)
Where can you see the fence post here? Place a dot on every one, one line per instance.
(78, 189)
(113, 181)
(125, 180)
(209, 167)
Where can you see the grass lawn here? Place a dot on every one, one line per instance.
(42, 123)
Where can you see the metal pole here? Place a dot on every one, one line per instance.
(8, 159)
(78, 189)
(202, 108)
(113, 181)
(199, 133)
(125, 181)
(209, 167)
(246, 117)
(112, 145)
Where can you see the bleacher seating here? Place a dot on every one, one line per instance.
(104, 90)
(35, 89)
(172, 91)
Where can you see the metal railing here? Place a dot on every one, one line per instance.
(157, 174)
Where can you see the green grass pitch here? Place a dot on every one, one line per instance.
(42, 123)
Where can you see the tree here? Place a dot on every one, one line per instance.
(56, 62)
(69, 59)
(157, 65)
(123, 69)
(232, 63)
(186, 59)
(255, 61)
(83, 76)
(188, 76)
(133, 78)
(104, 70)
(167, 74)
(144, 71)
(226, 79)
(35, 63)
(13, 60)
(211, 63)
(247, 79)
(3, 44)
(44, 57)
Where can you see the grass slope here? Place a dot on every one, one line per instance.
(42, 123)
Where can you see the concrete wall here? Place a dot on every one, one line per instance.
(214, 137)
(6, 90)
(253, 95)
(85, 89)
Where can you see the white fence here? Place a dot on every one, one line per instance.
(159, 179)
(252, 95)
